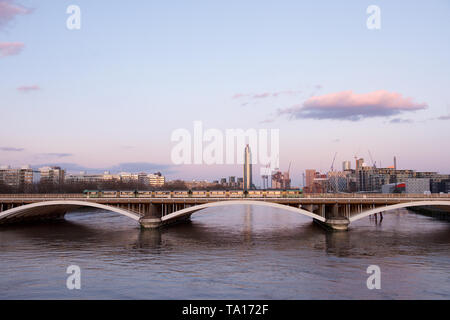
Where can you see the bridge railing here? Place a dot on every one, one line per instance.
(374, 195)
(305, 195)
(42, 196)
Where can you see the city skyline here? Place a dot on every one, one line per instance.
(108, 97)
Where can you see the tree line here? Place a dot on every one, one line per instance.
(80, 187)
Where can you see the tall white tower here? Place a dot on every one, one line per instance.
(247, 169)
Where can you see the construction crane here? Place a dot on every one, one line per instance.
(332, 164)
(374, 164)
(333, 185)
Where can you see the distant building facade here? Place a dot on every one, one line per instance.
(417, 185)
(248, 182)
(52, 175)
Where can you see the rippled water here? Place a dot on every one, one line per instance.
(226, 253)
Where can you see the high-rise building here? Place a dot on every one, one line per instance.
(346, 166)
(310, 175)
(281, 180)
(248, 183)
(359, 163)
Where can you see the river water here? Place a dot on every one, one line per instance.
(240, 252)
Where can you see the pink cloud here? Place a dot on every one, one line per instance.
(347, 105)
(9, 10)
(261, 95)
(239, 95)
(10, 48)
(26, 89)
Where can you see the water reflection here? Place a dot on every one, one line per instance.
(240, 252)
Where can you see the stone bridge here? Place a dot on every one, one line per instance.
(333, 211)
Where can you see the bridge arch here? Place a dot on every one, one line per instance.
(398, 206)
(34, 209)
(189, 211)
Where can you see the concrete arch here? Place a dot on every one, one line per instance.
(398, 206)
(31, 209)
(188, 211)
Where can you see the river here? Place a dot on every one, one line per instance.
(239, 252)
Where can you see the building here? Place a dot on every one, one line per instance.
(152, 179)
(232, 182)
(240, 183)
(83, 177)
(346, 165)
(16, 177)
(359, 163)
(127, 177)
(248, 182)
(52, 175)
(316, 182)
(310, 175)
(156, 179)
(281, 180)
(417, 185)
(340, 181)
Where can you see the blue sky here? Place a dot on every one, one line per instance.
(114, 91)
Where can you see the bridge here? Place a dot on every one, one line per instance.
(335, 211)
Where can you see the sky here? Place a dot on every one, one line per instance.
(110, 95)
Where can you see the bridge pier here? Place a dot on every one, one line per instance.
(334, 224)
(152, 218)
(335, 217)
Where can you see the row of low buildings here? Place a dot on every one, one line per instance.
(17, 177)
(366, 178)
(232, 183)
(148, 179)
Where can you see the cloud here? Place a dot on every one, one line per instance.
(398, 120)
(9, 149)
(347, 105)
(269, 120)
(9, 9)
(56, 155)
(286, 92)
(446, 117)
(10, 48)
(138, 166)
(122, 167)
(264, 95)
(26, 89)
(240, 95)
(261, 95)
